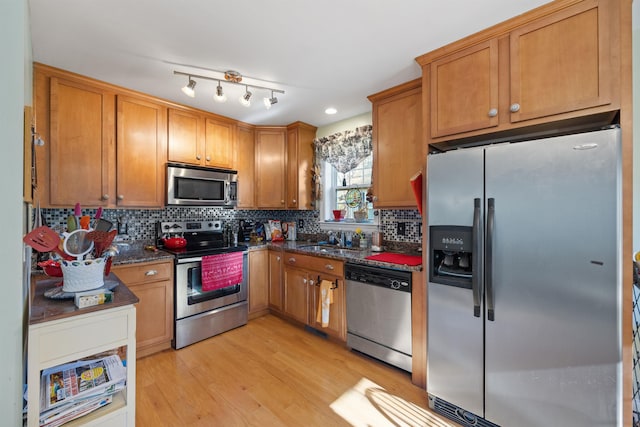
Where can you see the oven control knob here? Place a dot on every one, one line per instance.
(210, 225)
(395, 284)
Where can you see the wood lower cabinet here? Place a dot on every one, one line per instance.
(275, 280)
(258, 282)
(554, 63)
(398, 150)
(270, 167)
(152, 283)
(246, 164)
(301, 281)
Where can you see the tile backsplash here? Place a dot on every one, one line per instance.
(141, 222)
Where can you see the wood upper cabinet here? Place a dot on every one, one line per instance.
(270, 166)
(464, 90)
(246, 163)
(105, 149)
(554, 63)
(81, 142)
(299, 165)
(141, 153)
(398, 148)
(258, 282)
(152, 282)
(199, 139)
(275, 280)
(220, 143)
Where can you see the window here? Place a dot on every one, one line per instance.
(347, 191)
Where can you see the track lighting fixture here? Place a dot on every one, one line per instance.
(246, 98)
(268, 102)
(230, 77)
(189, 89)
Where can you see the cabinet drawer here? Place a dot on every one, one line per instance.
(316, 263)
(82, 335)
(138, 273)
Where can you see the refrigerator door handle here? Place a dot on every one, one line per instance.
(491, 217)
(475, 278)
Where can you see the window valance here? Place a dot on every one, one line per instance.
(345, 150)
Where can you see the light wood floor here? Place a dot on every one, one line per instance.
(272, 373)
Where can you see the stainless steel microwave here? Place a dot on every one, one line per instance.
(198, 186)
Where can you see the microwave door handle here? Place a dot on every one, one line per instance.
(227, 190)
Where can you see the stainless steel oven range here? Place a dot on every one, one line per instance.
(201, 314)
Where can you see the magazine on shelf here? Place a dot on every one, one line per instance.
(76, 410)
(67, 384)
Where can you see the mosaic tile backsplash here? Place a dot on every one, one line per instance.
(140, 224)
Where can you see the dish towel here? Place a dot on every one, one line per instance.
(220, 271)
(324, 302)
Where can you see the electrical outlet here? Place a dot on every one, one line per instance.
(402, 229)
(300, 223)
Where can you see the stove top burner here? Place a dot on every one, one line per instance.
(203, 238)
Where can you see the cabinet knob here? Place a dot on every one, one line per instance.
(304, 281)
(198, 157)
(151, 273)
(514, 107)
(282, 202)
(120, 197)
(329, 267)
(208, 158)
(293, 201)
(493, 112)
(311, 283)
(292, 260)
(105, 197)
(278, 258)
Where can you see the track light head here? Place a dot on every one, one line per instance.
(246, 98)
(189, 89)
(268, 102)
(219, 96)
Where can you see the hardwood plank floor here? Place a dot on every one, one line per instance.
(272, 373)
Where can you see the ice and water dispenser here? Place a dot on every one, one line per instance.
(451, 255)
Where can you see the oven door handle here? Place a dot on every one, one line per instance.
(188, 260)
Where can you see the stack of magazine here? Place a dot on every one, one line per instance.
(75, 389)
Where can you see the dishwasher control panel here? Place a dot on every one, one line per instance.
(378, 276)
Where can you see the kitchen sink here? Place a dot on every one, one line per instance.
(328, 249)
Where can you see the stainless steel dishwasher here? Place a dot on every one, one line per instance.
(379, 313)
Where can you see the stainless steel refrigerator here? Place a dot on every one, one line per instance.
(524, 282)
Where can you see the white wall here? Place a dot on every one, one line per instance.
(16, 63)
(347, 124)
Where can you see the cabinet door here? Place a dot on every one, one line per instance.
(397, 148)
(299, 165)
(561, 63)
(219, 143)
(246, 167)
(296, 292)
(275, 280)
(185, 137)
(464, 90)
(337, 314)
(141, 153)
(154, 314)
(292, 169)
(258, 281)
(270, 168)
(82, 144)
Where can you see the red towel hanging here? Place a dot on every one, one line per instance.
(220, 271)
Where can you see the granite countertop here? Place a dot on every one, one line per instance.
(355, 255)
(132, 253)
(44, 309)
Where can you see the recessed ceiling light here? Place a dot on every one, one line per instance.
(330, 110)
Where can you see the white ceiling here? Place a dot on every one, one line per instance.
(321, 53)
